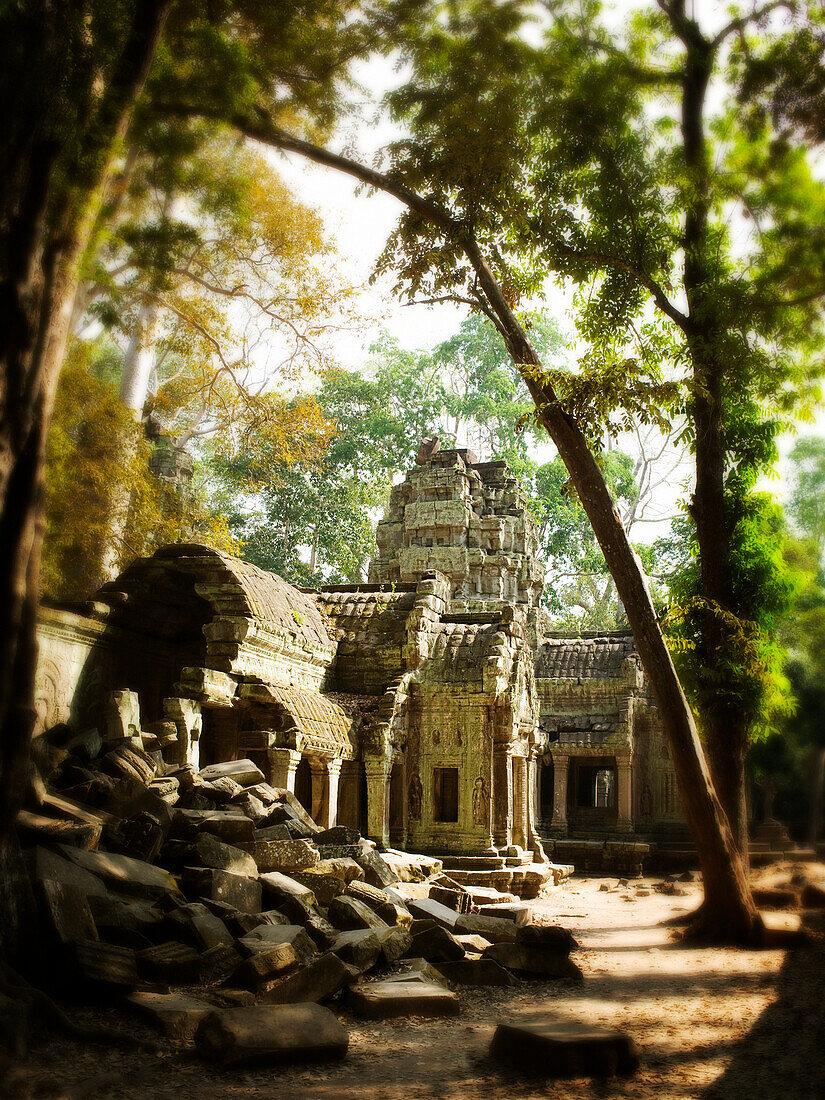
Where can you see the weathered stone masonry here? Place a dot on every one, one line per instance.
(429, 708)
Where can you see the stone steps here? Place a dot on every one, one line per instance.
(524, 882)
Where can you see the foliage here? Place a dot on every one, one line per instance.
(86, 463)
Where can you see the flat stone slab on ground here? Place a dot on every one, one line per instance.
(382, 1000)
(174, 1014)
(782, 930)
(261, 1034)
(554, 1047)
(244, 772)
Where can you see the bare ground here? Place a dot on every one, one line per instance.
(709, 1022)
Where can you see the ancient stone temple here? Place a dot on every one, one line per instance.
(429, 708)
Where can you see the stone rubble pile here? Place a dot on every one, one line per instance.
(213, 905)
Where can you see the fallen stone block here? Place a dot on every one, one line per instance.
(218, 963)
(135, 924)
(564, 1048)
(494, 929)
(240, 891)
(129, 762)
(347, 913)
(381, 904)
(359, 948)
(388, 999)
(457, 900)
(476, 944)
(229, 826)
(266, 936)
(265, 1034)
(45, 864)
(170, 964)
(244, 772)
(411, 867)
(486, 895)
(213, 853)
(782, 930)
(419, 970)
(263, 792)
(264, 966)
(427, 909)
(533, 962)
(131, 876)
(337, 835)
(519, 914)
(173, 1014)
(812, 897)
(253, 808)
(395, 943)
(319, 929)
(435, 944)
(195, 924)
(323, 885)
(283, 855)
(771, 898)
(279, 889)
(140, 836)
(476, 972)
(101, 967)
(33, 828)
(67, 912)
(296, 811)
(376, 871)
(272, 832)
(316, 980)
(550, 936)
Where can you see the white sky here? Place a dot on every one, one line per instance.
(359, 225)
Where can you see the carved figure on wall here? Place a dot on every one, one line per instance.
(415, 795)
(645, 804)
(435, 737)
(481, 802)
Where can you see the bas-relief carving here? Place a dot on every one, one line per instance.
(415, 797)
(481, 803)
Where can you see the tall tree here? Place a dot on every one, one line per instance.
(463, 159)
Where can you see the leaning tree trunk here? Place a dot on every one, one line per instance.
(729, 913)
(45, 227)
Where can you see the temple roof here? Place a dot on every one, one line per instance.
(322, 724)
(235, 587)
(599, 657)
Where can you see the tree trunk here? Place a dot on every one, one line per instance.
(46, 228)
(817, 790)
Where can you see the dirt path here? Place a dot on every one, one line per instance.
(708, 1022)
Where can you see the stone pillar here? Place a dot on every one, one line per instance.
(188, 718)
(533, 838)
(283, 763)
(377, 799)
(624, 795)
(502, 797)
(520, 801)
(560, 766)
(334, 774)
(320, 792)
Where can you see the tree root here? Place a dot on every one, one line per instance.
(47, 1011)
(701, 929)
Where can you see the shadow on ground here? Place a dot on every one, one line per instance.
(783, 1054)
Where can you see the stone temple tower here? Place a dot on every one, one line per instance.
(468, 520)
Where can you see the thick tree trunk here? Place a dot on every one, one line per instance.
(817, 791)
(44, 233)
